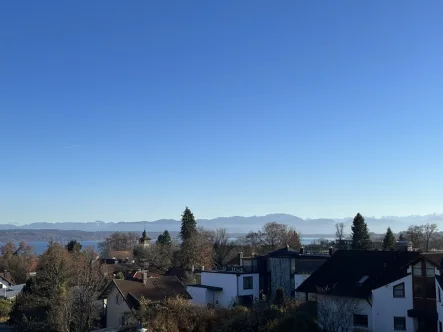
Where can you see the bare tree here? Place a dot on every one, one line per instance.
(17, 260)
(272, 236)
(197, 250)
(222, 246)
(429, 231)
(339, 231)
(118, 241)
(336, 314)
(87, 282)
(415, 234)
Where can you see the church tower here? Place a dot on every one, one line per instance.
(145, 240)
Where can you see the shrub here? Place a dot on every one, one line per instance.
(178, 315)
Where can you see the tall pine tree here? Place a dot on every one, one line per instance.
(388, 240)
(189, 225)
(360, 233)
(188, 232)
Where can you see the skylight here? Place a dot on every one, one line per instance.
(363, 279)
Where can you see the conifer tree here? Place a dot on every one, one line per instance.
(388, 240)
(189, 225)
(360, 233)
(164, 239)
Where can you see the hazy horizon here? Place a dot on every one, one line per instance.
(230, 216)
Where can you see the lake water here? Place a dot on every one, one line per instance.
(40, 246)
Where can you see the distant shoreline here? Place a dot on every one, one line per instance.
(46, 235)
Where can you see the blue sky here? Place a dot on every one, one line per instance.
(113, 110)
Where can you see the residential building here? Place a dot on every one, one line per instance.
(6, 279)
(225, 288)
(121, 298)
(284, 268)
(395, 290)
(10, 292)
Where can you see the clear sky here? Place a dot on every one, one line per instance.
(131, 110)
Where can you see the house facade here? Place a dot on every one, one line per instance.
(121, 298)
(225, 288)
(402, 289)
(390, 304)
(286, 268)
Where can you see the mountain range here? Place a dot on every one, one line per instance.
(237, 224)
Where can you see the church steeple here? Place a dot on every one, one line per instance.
(144, 240)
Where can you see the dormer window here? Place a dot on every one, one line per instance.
(399, 290)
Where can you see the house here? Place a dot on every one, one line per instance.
(121, 298)
(288, 268)
(10, 292)
(121, 256)
(186, 276)
(284, 268)
(225, 288)
(6, 279)
(393, 290)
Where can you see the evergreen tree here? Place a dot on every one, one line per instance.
(164, 239)
(389, 239)
(189, 225)
(360, 233)
(402, 237)
(73, 246)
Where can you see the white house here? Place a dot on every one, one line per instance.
(121, 298)
(392, 290)
(225, 288)
(391, 303)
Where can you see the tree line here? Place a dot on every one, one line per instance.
(422, 237)
(199, 247)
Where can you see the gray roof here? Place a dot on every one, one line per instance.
(11, 291)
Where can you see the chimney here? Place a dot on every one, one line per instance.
(145, 277)
(192, 268)
(203, 267)
(302, 250)
(240, 258)
(331, 251)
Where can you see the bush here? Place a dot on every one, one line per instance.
(5, 309)
(178, 315)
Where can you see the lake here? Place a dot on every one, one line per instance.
(40, 246)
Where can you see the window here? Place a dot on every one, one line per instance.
(417, 270)
(399, 290)
(362, 280)
(361, 320)
(248, 283)
(292, 265)
(400, 323)
(430, 270)
(440, 326)
(439, 295)
(117, 299)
